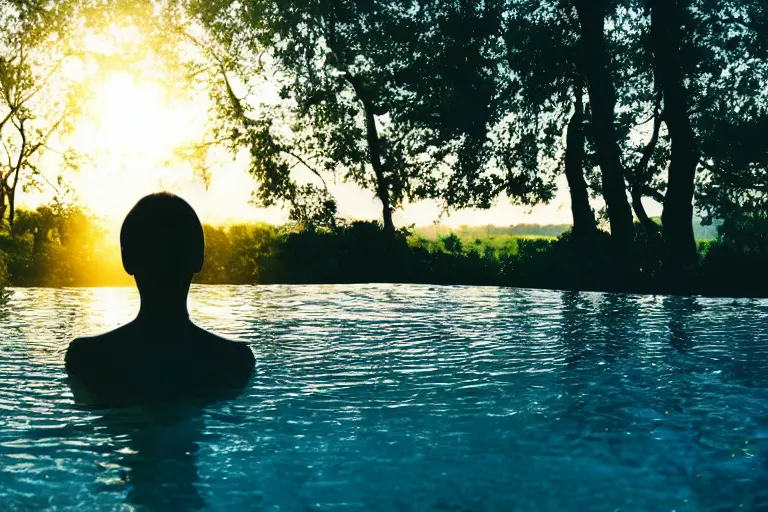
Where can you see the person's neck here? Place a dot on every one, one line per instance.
(159, 316)
(163, 307)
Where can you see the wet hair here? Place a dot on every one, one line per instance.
(162, 238)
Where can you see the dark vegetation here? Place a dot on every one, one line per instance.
(58, 246)
(464, 103)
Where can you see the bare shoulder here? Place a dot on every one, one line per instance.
(235, 352)
(231, 362)
(84, 349)
(77, 352)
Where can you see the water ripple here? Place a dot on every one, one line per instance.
(400, 397)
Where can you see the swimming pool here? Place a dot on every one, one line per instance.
(400, 397)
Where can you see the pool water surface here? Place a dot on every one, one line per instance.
(405, 397)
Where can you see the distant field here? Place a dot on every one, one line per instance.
(482, 239)
(531, 231)
(473, 240)
(527, 237)
(491, 232)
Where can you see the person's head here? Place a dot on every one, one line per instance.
(161, 241)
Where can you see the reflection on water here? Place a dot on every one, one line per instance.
(681, 312)
(157, 457)
(392, 397)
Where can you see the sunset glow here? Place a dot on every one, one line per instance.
(130, 135)
(137, 115)
(133, 125)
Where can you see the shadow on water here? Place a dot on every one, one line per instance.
(157, 451)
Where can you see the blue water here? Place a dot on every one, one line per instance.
(398, 398)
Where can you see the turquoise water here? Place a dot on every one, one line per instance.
(398, 398)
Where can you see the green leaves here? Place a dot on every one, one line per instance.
(462, 102)
(398, 98)
(37, 100)
(729, 109)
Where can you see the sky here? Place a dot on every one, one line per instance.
(130, 137)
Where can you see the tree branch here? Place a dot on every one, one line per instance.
(8, 154)
(7, 118)
(730, 20)
(221, 64)
(305, 164)
(642, 166)
(653, 193)
(54, 187)
(20, 159)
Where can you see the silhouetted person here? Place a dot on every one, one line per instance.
(161, 355)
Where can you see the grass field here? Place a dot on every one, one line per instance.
(482, 239)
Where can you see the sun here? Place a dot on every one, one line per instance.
(132, 114)
(131, 131)
(140, 117)
(136, 116)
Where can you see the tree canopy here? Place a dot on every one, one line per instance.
(466, 103)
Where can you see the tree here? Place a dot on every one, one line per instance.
(526, 119)
(493, 88)
(708, 64)
(677, 217)
(467, 101)
(334, 66)
(37, 100)
(728, 44)
(544, 49)
(602, 95)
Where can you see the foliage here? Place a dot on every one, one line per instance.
(60, 246)
(334, 66)
(64, 246)
(730, 40)
(483, 93)
(238, 254)
(38, 97)
(460, 102)
(735, 262)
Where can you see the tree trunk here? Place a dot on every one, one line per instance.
(677, 215)
(12, 206)
(374, 149)
(389, 226)
(382, 190)
(11, 193)
(3, 207)
(602, 100)
(638, 181)
(584, 226)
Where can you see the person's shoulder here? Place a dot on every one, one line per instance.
(239, 353)
(234, 352)
(231, 363)
(86, 348)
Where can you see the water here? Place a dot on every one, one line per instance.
(398, 398)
